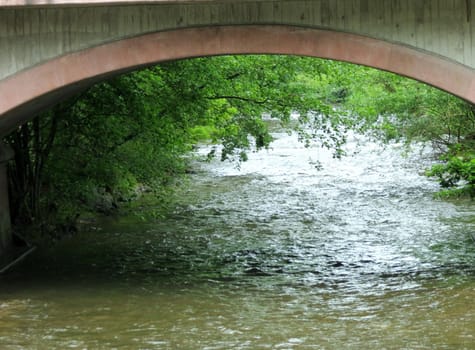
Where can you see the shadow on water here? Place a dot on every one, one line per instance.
(139, 253)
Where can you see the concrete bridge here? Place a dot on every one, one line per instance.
(50, 49)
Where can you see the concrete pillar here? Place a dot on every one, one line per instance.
(6, 153)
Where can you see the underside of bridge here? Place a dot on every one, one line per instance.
(53, 48)
(30, 91)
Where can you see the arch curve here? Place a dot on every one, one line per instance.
(29, 91)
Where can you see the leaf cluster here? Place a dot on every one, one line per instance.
(132, 133)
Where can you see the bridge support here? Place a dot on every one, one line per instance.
(6, 238)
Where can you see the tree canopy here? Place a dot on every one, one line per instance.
(133, 132)
(135, 129)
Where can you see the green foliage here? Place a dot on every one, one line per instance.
(390, 107)
(131, 133)
(456, 175)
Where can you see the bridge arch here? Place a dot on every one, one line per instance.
(29, 91)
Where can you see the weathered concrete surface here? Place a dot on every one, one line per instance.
(63, 32)
(31, 35)
(5, 226)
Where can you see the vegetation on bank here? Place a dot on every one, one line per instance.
(129, 135)
(392, 107)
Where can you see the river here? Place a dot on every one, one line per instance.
(294, 250)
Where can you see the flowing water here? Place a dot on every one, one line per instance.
(295, 250)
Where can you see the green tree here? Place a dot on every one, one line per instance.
(391, 107)
(136, 128)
